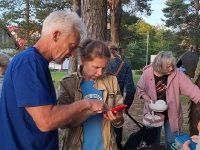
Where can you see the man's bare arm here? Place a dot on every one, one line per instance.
(51, 117)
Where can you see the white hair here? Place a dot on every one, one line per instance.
(162, 60)
(64, 21)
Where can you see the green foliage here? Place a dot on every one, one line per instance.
(57, 76)
(183, 17)
(133, 30)
(129, 18)
(164, 39)
(136, 78)
(176, 11)
(127, 29)
(136, 55)
(138, 6)
(160, 38)
(134, 51)
(138, 72)
(29, 19)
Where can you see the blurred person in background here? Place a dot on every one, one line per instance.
(125, 80)
(4, 61)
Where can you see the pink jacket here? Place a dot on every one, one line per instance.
(178, 83)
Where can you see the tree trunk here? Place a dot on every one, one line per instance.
(27, 21)
(73, 61)
(196, 33)
(194, 109)
(115, 21)
(94, 15)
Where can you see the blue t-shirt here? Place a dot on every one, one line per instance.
(92, 127)
(27, 82)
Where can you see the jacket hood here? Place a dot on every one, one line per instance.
(148, 66)
(148, 71)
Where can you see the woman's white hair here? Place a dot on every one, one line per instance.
(64, 21)
(162, 60)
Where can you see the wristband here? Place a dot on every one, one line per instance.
(118, 124)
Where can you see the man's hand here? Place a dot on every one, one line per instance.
(49, 117)
(97, 106)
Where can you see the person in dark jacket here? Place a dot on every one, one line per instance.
(125, 81)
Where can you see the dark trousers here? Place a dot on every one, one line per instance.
(118, 132)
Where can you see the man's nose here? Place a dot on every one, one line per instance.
(100, 71)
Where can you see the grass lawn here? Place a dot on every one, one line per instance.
(57, 75)
(136, 78)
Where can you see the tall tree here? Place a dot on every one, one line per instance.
(115, 13)
(194, 109)
(94, 15)
(73, 61)
(133, 7)
(29, 15)
(183, 16)
(27, 19)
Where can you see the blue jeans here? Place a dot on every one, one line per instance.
(169, 136)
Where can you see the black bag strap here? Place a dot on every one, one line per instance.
(140, 125)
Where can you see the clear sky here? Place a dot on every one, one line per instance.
(157, 14)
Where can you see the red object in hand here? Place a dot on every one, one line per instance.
(119, 108)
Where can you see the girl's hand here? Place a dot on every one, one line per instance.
(186, 145)
(114, 117)
(198, 126)
(195, 138)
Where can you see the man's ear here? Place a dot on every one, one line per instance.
(56, 35)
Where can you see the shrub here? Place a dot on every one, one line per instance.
(138, 72)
